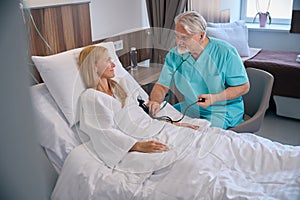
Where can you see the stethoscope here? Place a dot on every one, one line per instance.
(172, 80)
(167, 118)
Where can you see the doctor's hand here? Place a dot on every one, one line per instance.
(154, 107)
(149, 147)
(209, 100)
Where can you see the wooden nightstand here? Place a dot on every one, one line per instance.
(146, 74)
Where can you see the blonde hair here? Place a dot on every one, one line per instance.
(87, 60)
(191, 21)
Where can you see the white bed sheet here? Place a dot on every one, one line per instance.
(219, 165)
(55, 135)
(222, 173)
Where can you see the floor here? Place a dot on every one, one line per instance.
(280, 129)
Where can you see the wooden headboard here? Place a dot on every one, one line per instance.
(57, 29)
(63, 27)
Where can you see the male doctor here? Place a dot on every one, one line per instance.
(206, 70)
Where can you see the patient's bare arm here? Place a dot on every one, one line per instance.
(192, 126)
(149, 147)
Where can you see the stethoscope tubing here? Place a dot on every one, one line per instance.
(172, 79)
(167, 118)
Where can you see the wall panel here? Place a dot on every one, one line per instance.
(139, 39)
(63, 27)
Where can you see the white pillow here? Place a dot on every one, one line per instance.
(240, 23)
(61, 76)
(235, 33)
(54, 133)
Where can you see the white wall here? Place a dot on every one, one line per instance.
(113, 17)
(275, 40)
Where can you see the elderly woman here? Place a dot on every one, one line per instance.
(97, 70)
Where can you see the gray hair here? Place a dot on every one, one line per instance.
(191, 21)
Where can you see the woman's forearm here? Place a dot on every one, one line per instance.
(149, 147)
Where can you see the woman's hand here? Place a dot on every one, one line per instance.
(187, 125)
(149, 147)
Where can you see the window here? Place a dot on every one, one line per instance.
(280, 10)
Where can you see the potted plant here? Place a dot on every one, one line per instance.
(263, 16)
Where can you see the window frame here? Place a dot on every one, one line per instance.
(250, 19)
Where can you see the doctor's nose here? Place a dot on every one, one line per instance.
(179, 41)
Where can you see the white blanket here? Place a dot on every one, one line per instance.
(209, 163)
(114, 130)
(238, 167)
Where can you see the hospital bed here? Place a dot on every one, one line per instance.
(76, 172)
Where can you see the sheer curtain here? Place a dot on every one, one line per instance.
(295, 26)
(161, 14)
(211, 10)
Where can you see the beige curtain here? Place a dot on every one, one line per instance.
(210, 10)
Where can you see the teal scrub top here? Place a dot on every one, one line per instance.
(218, 67)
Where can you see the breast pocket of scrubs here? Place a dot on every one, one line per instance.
(215, 84)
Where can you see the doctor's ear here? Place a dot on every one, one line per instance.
(201, 35)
